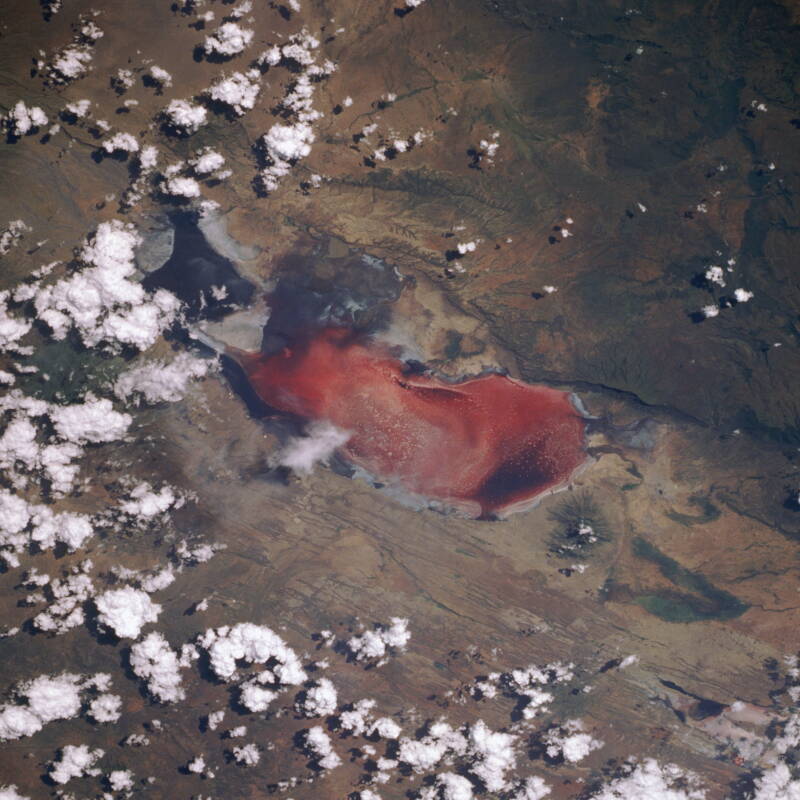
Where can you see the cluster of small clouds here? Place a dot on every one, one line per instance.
(46, 699)
(488, 149)
(157, 381)
(47, 438)
(391, 145)
(75, 761)
(715, 276)
(73, 61)
(9, 237)
(102, 301)
(649, 779)
(526, 685)
(22, 119)
(285, 144)
(375, 645)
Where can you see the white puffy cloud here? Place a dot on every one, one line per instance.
(254, 644)
(23, 524)
(492, 755)
(68, 596)
(374, 644)
(160, 75)
(425, 753)
(532, 788)
(302, 453)
(102, 301)
(145, 503)
(386, 728)
(228, 40)
(11, 793)
(126, 611)
(91, 421)
(106, 708)
(121, 142)
(186, 117)
(527, 685)
(248, 755)
(10, 237)
(239, 90)
(148, 158)
(73, 61)
(46, 699)
(120, 780)
(22, 119)
(159, 381)
(207, 161)
(285, 144)
(255, 697)
(25, 449)
(12, 328)
(78, 108)
(448, 786)
(777, 783)
(181, 186)
(357, 718)
(74, 762)
(214, 719)
(153, 660)
(650, 780)
(321, 747)
(570, 742)
(318, 700)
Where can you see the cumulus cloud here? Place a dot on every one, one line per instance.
(207, 161)
(106, 708)
(492, 755)
(318, 700)
(73, 60)
(570, 742)
(185, 117)
(254, 644)
(153, 660)
(11, 793)
(126, 611)
(91, 421)
(284, 144)
(145, 503)
(22, 119)
(228, 40)
(68, 596)
(46, 699)
(101, 301)
(12, 328)
(75, 761)
(239, 90)
(650, 780)
(302, 453)
(120, 780)
(373, 645)
(247, 755)
(423, 754)
(10, 237)
(320, 746)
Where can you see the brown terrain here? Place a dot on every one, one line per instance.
(696, 437)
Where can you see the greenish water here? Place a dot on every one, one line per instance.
(701, 600)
